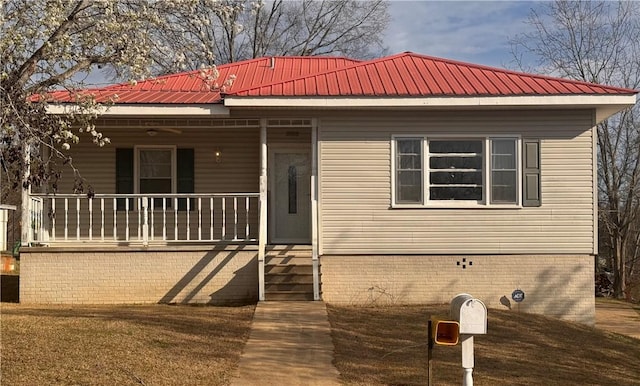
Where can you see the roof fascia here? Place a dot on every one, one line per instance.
(146, 109)
(605, 105)
(350, 102)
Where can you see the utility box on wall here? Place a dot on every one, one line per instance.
(470, 313)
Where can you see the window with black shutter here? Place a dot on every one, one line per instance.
(155, 174)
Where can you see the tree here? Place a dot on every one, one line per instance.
(53, 44)
(598, 42)
(243, 29)
(49, 44)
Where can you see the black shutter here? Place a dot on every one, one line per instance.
(124, 175)
(531, 172)
(186, 176)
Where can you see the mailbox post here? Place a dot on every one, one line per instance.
(471, 315)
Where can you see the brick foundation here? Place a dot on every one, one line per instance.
(560, 286)
(125, 277)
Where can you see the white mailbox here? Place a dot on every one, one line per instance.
(470, 313)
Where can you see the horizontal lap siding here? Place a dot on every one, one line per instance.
(237, 172)
(355, 188)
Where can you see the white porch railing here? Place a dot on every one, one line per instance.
(144, 218)
(36, 217)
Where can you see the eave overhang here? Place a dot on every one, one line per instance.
(209, 110)
(605, 105)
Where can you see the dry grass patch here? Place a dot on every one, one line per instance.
(387, 346)
(122, 345)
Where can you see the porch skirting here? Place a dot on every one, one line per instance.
(214, 276)
(560, 286)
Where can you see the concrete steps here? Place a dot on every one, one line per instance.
(288, 274)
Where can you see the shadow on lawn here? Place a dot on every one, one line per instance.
(183, 319)
(120, 345)
(387, 345)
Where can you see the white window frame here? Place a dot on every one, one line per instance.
(486, 172)
(136, 166)
(394, 170)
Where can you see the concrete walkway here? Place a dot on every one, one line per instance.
(290, 344)
(618, 317)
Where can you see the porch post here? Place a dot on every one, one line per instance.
(25, 228)
(262, 238)
(145, 221)
(314, 209)
(46, 204)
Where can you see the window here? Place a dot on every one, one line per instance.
(456, 171)
(503, 171)
(155, 170)
(293, 189)
(409, 170)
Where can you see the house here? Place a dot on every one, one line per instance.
(404, 179)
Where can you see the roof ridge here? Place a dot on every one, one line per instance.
(308, 57)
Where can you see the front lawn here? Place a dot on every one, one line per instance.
(190, 345)
(122, 345)
(387, 346)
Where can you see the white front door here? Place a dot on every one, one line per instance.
(290, 196)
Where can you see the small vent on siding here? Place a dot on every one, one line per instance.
(464, 263)
(289, 122)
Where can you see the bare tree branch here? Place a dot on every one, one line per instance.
(597, 41)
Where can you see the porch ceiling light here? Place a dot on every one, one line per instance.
(218, 154)
(152, 132)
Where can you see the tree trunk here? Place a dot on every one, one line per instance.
(619, 269)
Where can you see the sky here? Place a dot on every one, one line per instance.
(469, 31)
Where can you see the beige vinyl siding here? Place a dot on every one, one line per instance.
(355, 187)
(237, 172)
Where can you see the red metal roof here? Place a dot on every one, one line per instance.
(413, 75)
(190, 88)
(401, 75)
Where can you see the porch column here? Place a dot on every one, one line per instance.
(262, 237)
(25, 225)
(314, 209)
(46, 204)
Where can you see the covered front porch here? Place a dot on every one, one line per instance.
(282, 211)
